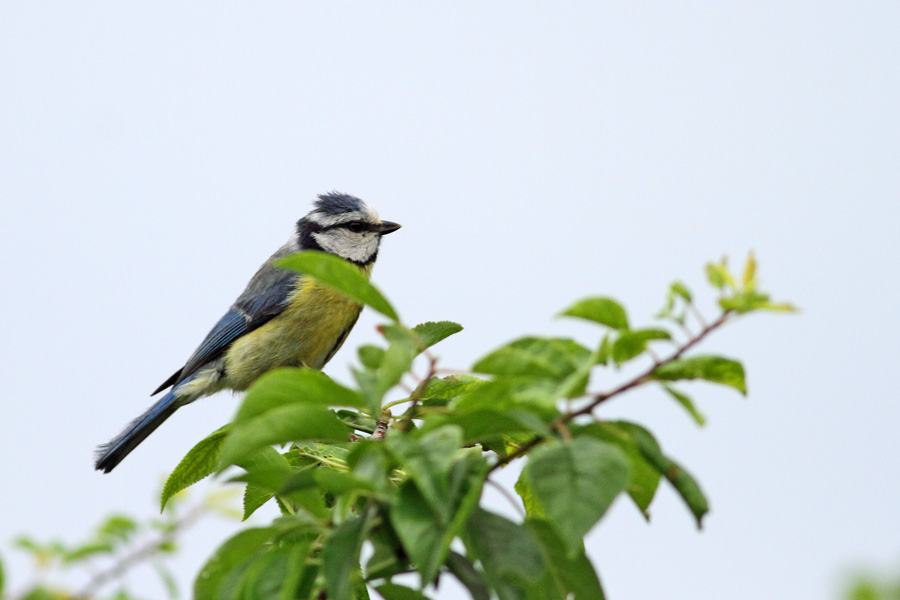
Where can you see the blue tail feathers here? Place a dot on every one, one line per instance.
(111, 454)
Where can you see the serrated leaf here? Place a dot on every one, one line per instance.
(576, 483)
(341, 276)
(254, 497)
(551, 358)
(200, 462)
(432, 332)
(340, 557)
(688, 405)
(289, 387)
(284, 424)
(715, 369)
(572, 574)
(605, 311)
(631, 344)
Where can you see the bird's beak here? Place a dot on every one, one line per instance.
(386, 227)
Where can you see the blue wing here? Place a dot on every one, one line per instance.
(265, 298)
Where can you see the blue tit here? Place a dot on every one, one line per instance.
(282, 319)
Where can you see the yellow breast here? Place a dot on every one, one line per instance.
(307, 333)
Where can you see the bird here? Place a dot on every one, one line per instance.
(282, 319)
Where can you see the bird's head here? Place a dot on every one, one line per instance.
(345, 226)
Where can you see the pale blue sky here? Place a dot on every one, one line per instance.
(153, 154)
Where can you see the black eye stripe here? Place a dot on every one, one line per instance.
(356, 226)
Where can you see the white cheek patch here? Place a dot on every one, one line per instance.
(294, 242)
(356, 247)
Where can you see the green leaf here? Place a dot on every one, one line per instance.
(254, 497)
(357, 421)
(504, 394)
(200, 462)
(572, 574)
(265, 467)
(552, 358)
(425, 535)
(688, 405)
(533, 508)
(2, 582)
(341, 276)
(284, 424)
(290, 387)
(718, 275)
(228, 563)
(749, 277)
(392, 591)
(463, 569)
(575, 483)
(397, 360)
(120, 527)
(715, 369)
(490, 425)
(87, 551)
(512, 561)
(644, 477)
(388, 557)
(428, 460)
(439, 391)
(681, 480)
(275, 574)
(605, 311)
(340, 557)
(370, 356)
(432, 332)
(681, 290)
(631, 344)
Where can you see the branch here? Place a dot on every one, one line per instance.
(563, 420)
(505, 493)
(145, 552)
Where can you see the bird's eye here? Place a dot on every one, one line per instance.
(356, 227)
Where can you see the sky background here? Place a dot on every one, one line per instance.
(152, 155)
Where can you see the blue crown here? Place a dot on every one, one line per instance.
(335, 203)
